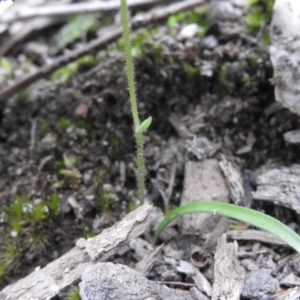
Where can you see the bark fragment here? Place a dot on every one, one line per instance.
(229, 274)
(203, 182)
(281, 186)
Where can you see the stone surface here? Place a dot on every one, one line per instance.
(119, 282)
(284, 52)
(204, 181)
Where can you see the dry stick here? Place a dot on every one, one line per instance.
(72, 9)
(140, 21)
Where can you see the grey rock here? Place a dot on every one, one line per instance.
(119, 282)
(259, 284)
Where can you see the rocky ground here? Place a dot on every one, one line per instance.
(67, 150)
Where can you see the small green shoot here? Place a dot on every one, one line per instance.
(54, 203)
(74, 173)
(68, 167)
(144, 126)
(243, 214)
(69, 162)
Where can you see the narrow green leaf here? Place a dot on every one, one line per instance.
(144, 126)
(243, 214)
(54, 203)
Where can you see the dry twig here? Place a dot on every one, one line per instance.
(71, 9)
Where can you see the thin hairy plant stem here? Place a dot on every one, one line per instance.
(133, 101)
(140, 166)
(129, 63)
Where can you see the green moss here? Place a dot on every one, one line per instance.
(3, 271)
(43, 128)
(266, 39)
(90, 234)
(260, 12)
(174, 20)
(223, 77)
(100, 177)
(103, 201)
(107, 19)
(16, 209)
(73, 30)
(106, 200)
(196, 16)
(10, 256)
(37, 240)
(16, 226)
(139, 43)
(85, 125)
(253, 62)
(22, 94)
(254, 19)
(64, 124)
(24, 213)
(191, 71)
(73, 294)
(27, 227)
(246, 80)
(65, 73)
(114, 143)
(131, 206)
(6, 65)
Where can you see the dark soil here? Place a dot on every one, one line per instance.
(75, 139)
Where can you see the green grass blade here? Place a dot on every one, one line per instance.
(243, 214)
